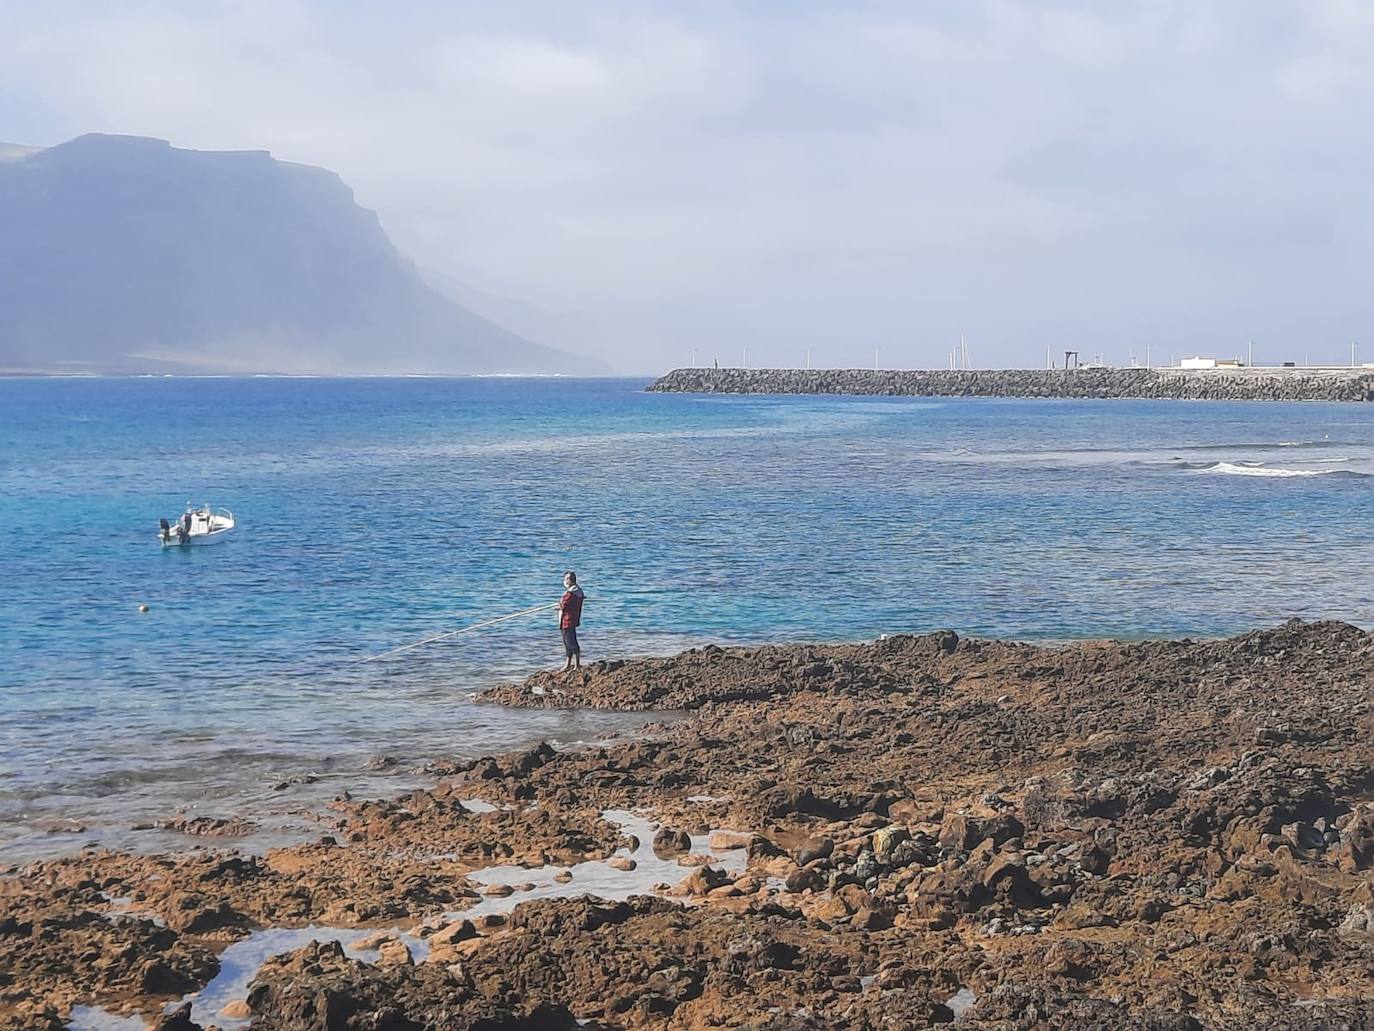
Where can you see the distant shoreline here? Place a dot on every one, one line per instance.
(55, 374)
(1268, 384)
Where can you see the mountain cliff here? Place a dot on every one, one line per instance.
(125, 254)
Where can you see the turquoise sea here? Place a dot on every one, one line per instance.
(375, 512)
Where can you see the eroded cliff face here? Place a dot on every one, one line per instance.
(1355, 384)
(126, 254)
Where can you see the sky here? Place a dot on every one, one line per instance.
(662, 183)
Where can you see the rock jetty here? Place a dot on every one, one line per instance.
(1353, 384)
(1163, 835)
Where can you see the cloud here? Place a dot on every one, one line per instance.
(1034, 172)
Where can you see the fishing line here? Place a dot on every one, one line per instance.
(450, 633)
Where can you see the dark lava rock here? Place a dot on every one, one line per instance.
(177, 1020)
(791, 800)
(960, 831)
(804, 880)
(318, 988)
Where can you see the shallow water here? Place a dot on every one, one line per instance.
(376, 512)
(595, 877)
(961, 1002)
(240, 962)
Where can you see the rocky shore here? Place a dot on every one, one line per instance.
(920, 831)
(1353, 384)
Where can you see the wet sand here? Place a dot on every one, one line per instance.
(906, 833)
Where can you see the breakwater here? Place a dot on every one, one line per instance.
(1354, 384)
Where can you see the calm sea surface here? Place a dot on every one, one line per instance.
(375, 512)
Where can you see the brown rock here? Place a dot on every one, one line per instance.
(394, 954)
(1079, 916)
(459, 930)
(701, 881)
(669, 841)
(194, 912)
(872, 920)
(1070, 958)
(812, 849)
(722, 841)
(961, 831)
(374, 941)
(853, 898)
(1356, 849)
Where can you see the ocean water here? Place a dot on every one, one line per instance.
(375, 512)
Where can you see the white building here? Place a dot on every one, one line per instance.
(1211, 363)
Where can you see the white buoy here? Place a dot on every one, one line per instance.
(143, 607)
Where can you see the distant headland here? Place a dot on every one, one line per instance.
(1355, 383)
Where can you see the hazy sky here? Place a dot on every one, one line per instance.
(1182, 173)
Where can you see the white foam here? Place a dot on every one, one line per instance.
(1229, 469)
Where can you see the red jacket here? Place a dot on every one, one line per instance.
(570, 609)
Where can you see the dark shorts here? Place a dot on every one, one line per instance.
(570, 645)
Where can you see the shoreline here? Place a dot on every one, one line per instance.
(1354, 384)
(896, 830)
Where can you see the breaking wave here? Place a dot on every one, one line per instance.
(1249, 469)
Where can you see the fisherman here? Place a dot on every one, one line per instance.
(569, 616)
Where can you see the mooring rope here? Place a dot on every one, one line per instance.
(451, 633)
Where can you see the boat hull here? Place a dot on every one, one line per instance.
(212, 537)
(205, 527)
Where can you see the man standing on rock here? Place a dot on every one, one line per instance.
(569, 616)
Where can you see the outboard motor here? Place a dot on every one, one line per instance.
(166, 528)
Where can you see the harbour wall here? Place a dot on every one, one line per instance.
(1353, 384)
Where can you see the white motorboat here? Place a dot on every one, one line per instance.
(197, 525)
